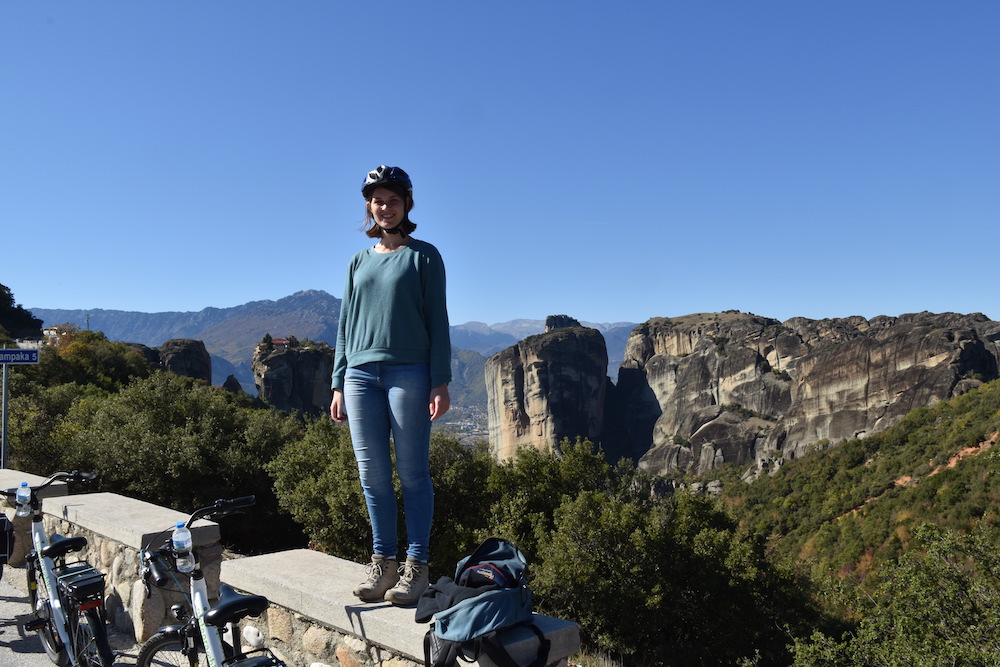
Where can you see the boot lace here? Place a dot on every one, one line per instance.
(374, 570)
(409, 573)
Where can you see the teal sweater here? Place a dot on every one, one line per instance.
(394, 309)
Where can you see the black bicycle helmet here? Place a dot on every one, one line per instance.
(384, 175)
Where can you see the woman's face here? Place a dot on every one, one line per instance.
(387, 208)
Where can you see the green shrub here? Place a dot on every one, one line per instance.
(676, 583)
(177, 442)
(939, 604)
(316, 479)
(318, 484)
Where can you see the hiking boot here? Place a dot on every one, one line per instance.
(382, 575)
(412, 584)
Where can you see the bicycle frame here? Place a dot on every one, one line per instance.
(46, 562)
(40, 540)
(211, 637)
(201, 625)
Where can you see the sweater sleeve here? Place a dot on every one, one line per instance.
(340, 355)
(436, 317)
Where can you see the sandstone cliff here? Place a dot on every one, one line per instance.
(295, 378)
(698, 391)
(546, 388)
(180, 356)
(737, 388)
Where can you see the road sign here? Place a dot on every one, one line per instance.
(15, 356)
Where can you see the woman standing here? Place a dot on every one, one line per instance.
(390, 378)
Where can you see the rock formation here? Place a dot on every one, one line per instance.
(180, 356)
(295, 378)
(553, 322)
(230, 334)
(545, 388)
(183, 356)
(232, 385)
(737, 388)
(698, 391)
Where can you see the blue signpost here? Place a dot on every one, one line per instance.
(16, 356)
(11, 356)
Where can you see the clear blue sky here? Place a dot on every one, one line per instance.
(609, 161)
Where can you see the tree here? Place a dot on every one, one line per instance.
(599, 543)
(317, 482)
(34, 418)
(938, 605)
(677, 583)
(460, 475)
(316, 479)
(86, 358)
(531, 486)
(174, 441)
(79, 366)
(15, 320)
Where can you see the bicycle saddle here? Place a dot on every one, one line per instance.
(60, 546)
(233, 606)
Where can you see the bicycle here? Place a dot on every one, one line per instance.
(68, 610)
(198, 640)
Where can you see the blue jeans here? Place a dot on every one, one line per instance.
(383, 398)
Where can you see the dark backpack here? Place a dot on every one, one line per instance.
(487, 598)
(6, 540)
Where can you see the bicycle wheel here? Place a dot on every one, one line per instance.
(167, 650)
(90, 639)
(38, 598)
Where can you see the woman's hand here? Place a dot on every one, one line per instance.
(337, 412)
(440, 401)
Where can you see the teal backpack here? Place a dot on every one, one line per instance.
(488, 596)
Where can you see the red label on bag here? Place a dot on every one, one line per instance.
(483, 575)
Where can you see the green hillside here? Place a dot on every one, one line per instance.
(847, 508)
(897, 532)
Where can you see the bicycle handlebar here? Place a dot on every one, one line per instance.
(73, 476)
(151, 563)
(152, 567)
(222, 507)
(235, 504)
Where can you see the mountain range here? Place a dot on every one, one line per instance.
(231, 334)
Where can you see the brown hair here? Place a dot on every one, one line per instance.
(406, 226)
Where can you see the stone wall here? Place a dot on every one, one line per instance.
(313, 620)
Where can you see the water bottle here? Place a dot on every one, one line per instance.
(182, 548)
(22, 500)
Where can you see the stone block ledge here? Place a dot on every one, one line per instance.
(11, 479)
(314, 618)
(134, 523)
(319, 586)
(125, 520)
